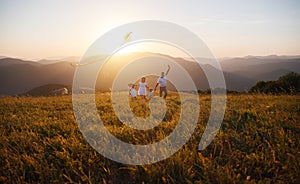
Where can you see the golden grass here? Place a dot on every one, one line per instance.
(258, 142)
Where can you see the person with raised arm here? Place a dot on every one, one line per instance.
(162, 82)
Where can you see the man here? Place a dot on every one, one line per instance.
(162, 82)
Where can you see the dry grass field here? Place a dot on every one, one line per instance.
(259, 141)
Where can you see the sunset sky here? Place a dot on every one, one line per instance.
(43, 29)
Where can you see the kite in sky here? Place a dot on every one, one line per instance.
(126, 38)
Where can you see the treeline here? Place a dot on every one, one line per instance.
(287, 84)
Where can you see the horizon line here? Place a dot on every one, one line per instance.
(36, 59)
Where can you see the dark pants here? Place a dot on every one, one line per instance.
(163, 89)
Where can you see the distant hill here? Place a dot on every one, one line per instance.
(49, 90)
(261, 68)
(18, 76)
(14, 61)
(72, 59)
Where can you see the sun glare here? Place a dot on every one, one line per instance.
(151, 47)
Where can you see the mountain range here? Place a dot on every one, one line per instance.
(19, 76)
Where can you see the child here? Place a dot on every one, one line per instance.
(150, 93)
(142, 87)
(132, 92)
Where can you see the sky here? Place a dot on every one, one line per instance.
(35, 29)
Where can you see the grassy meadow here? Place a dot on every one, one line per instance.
(259, 142)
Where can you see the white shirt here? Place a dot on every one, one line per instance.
(132, 92)
(162, 81)
(142, 88)
(150, 94)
